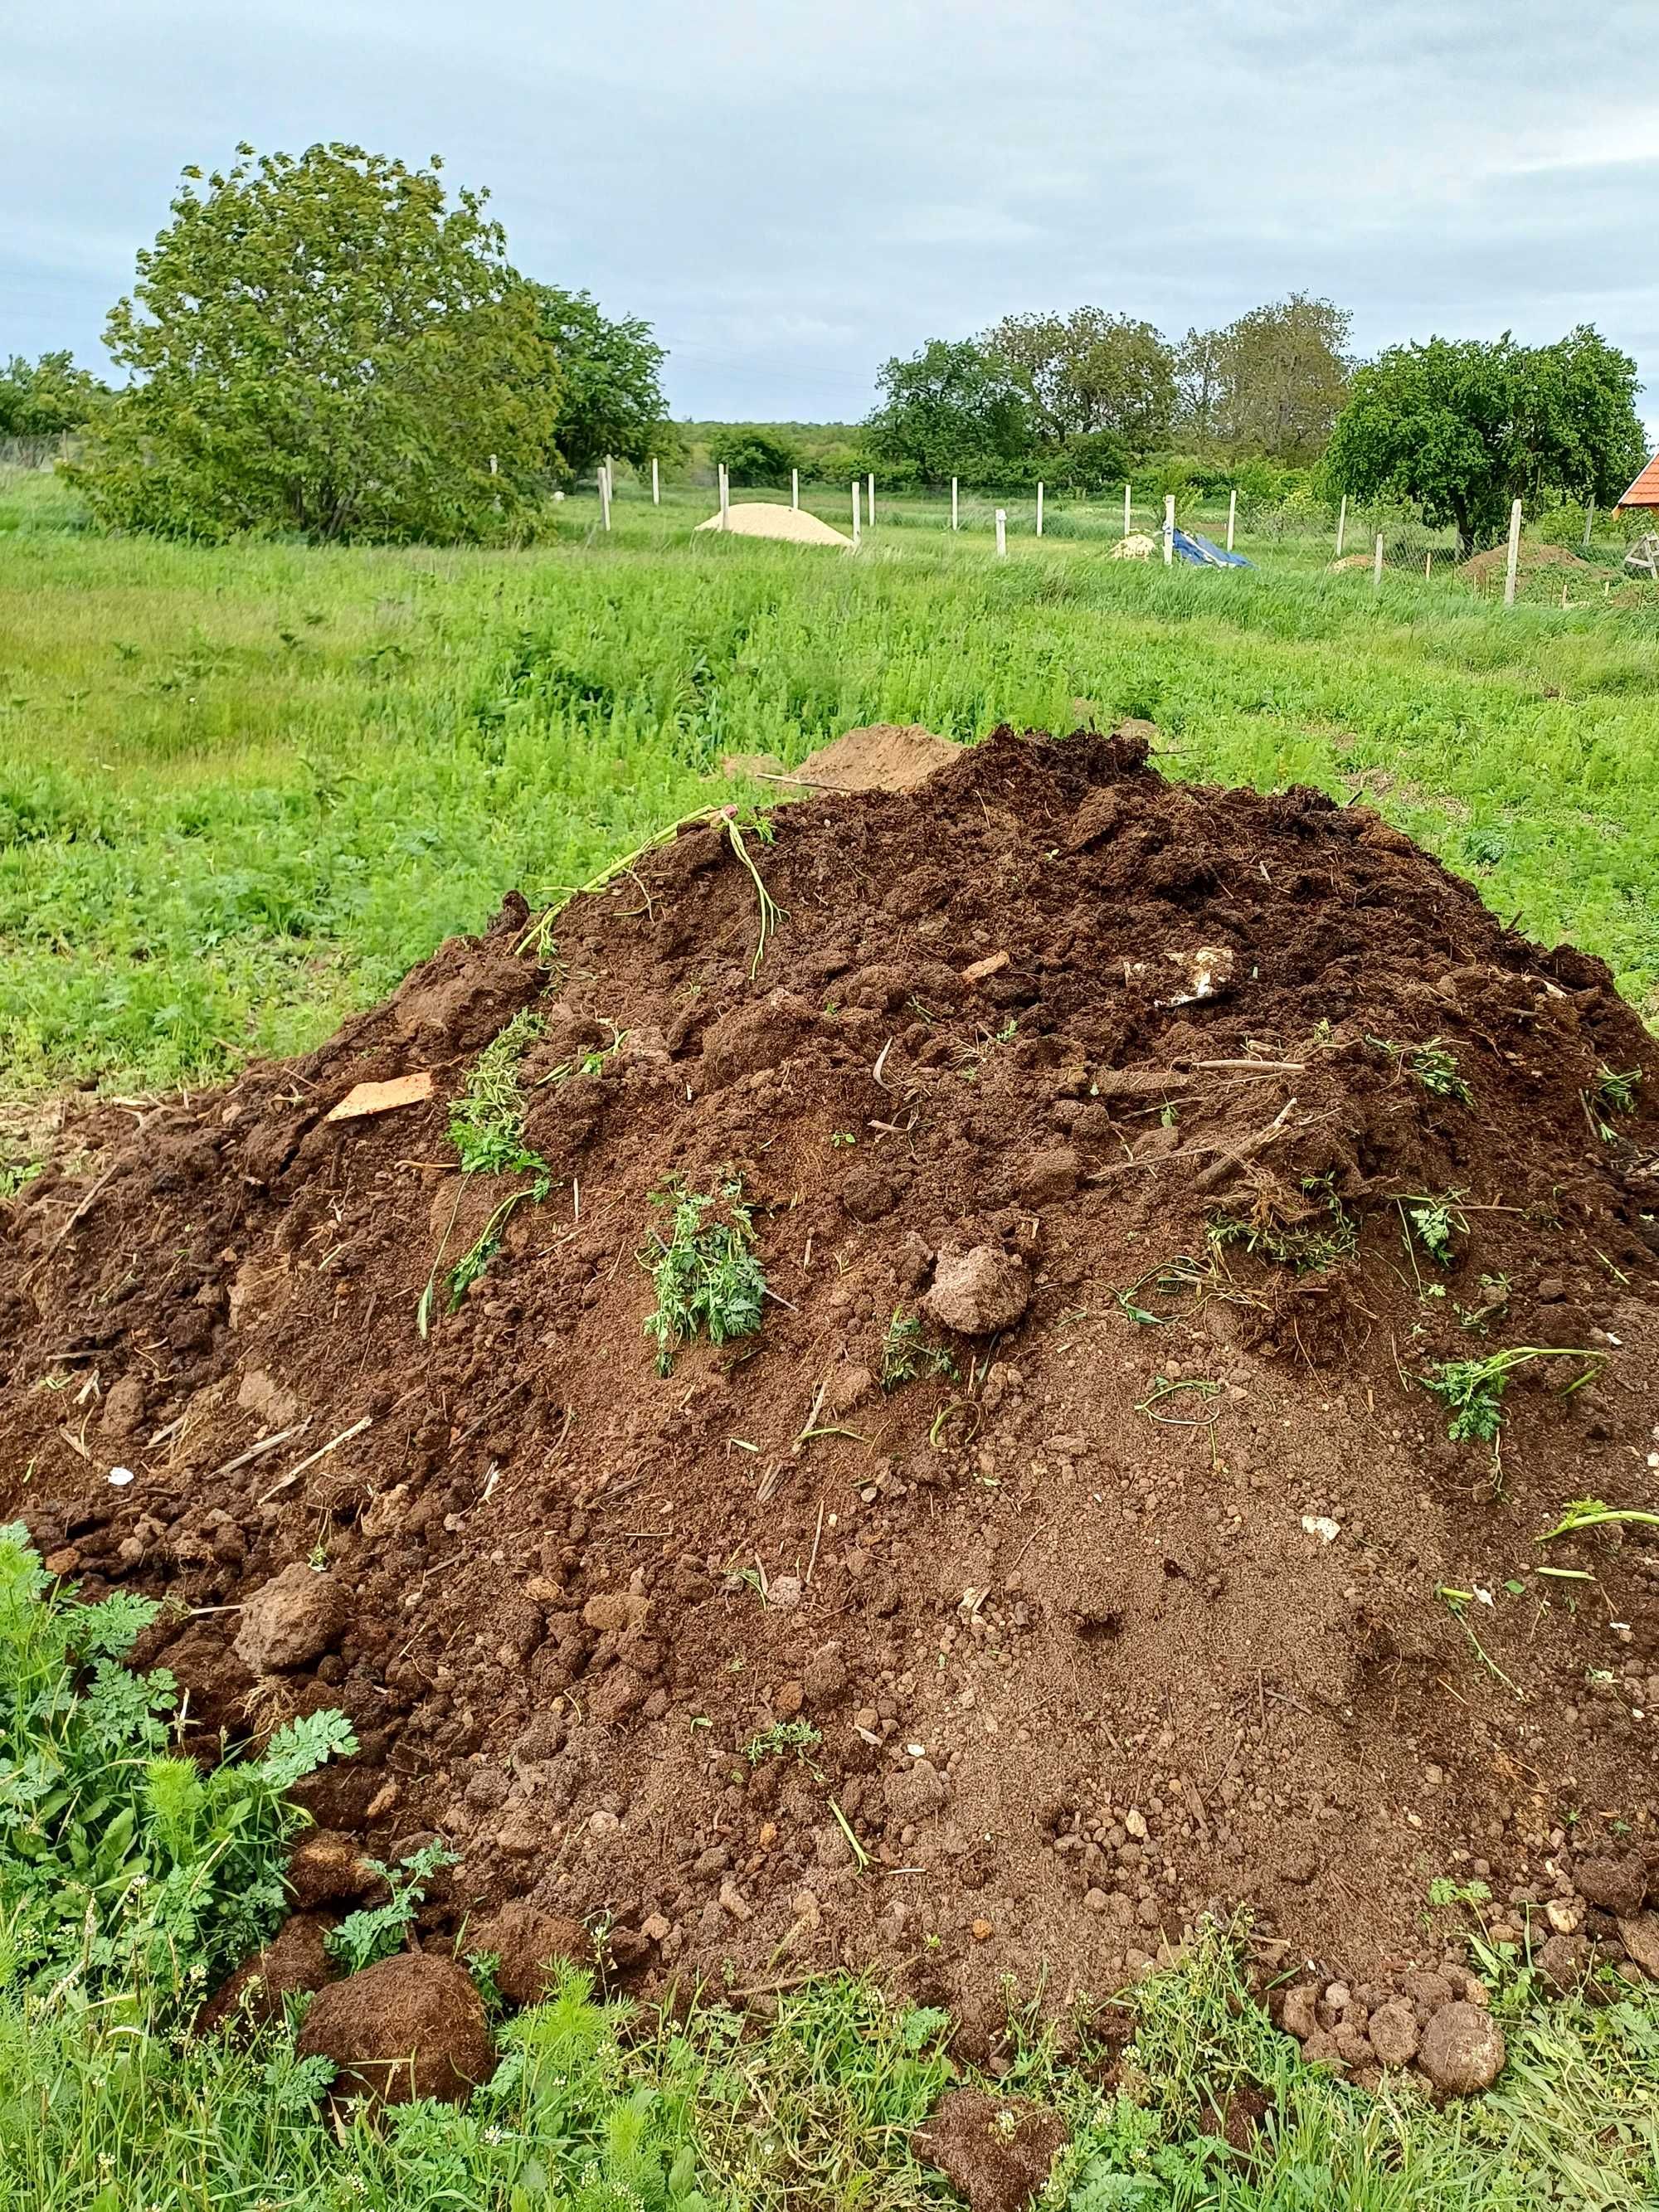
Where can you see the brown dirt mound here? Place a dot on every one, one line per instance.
(1482, 567)
(1136, 1613)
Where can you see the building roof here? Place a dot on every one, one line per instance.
(1644, 492)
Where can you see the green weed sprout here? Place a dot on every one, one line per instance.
(705, 1275)
(486, 1122)
(377, 1930)
(1472, 1390)
(797, 1735)
(1433, 1065)
(1617, 1091)
(1583, 1513)
(1436, 1221)
(1309, 1246)
(907, 1354)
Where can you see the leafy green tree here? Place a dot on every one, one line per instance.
(951, 410)
(327, 343)
(1086, 372)
(44, 399)
(1464, 427)
(1272, 383)
(753, 453)
(610, 397)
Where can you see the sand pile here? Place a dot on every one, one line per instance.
(1071, 1548)
(764, 519)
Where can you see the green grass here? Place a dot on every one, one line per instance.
(242, 789)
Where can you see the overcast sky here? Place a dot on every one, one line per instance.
(792, 192)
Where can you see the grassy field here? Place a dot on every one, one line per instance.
(242, 789)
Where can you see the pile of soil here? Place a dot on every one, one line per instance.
(761, 518)
(1485, 569)
(1138, 1613)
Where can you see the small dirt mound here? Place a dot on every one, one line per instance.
(1482, 569)
(1071, 1548)
(764, 518)
(411, 2027)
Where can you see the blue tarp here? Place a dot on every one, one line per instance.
(1190, 545)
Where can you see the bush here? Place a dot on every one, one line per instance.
(754, 455)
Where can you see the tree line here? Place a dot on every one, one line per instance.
(333, 344)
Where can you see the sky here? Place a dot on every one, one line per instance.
(792, 194)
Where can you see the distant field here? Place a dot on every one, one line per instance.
(242, 789)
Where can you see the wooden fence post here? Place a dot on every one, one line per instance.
(1428, 564)
(604, 493)
(725, 498)
(1515, 554)
(870, 498)
(1039, 527)
(795, 487)
(1232, 515)
(955, 512)
(1002, 533)
(1341, 525)
(656, 482)
(1169, 528)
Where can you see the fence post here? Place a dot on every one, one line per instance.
(1428, 564)
(1377, 565)
(1039, 528)
(1590, 518)
(1169, 528)
(795, 487)
(1232, 514)
(725, 498)
(656, 482)
(1002, 533)
(870, 498)
(1515, 554)
(1341, 525)
(611, 471)
(955, 519)
(604, 493)
(1126, 510)
(857, 533)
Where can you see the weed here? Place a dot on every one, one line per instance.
(783, 1737)
(1435, 1221)
(1433, 1065)
(1309, 1238)
(375, 1931)
(486, 1122)
(118, 1860)
(907, 1354)
(705, 1274)
(1591, 1513)
(14, 1173)
(1472, 1390)
(1616, 1091)
(842, 1139)
(1445, 1890)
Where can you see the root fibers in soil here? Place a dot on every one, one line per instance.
(1074, 1544)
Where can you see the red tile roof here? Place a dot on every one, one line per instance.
(1644, 492)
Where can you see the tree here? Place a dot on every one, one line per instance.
(327, 343)
(1272, 383)
(950, 410)
(1464, 427)
(753, 454)
(1088, 371)
(45, 398)
(611, 399)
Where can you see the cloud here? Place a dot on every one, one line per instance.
(793, 194)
